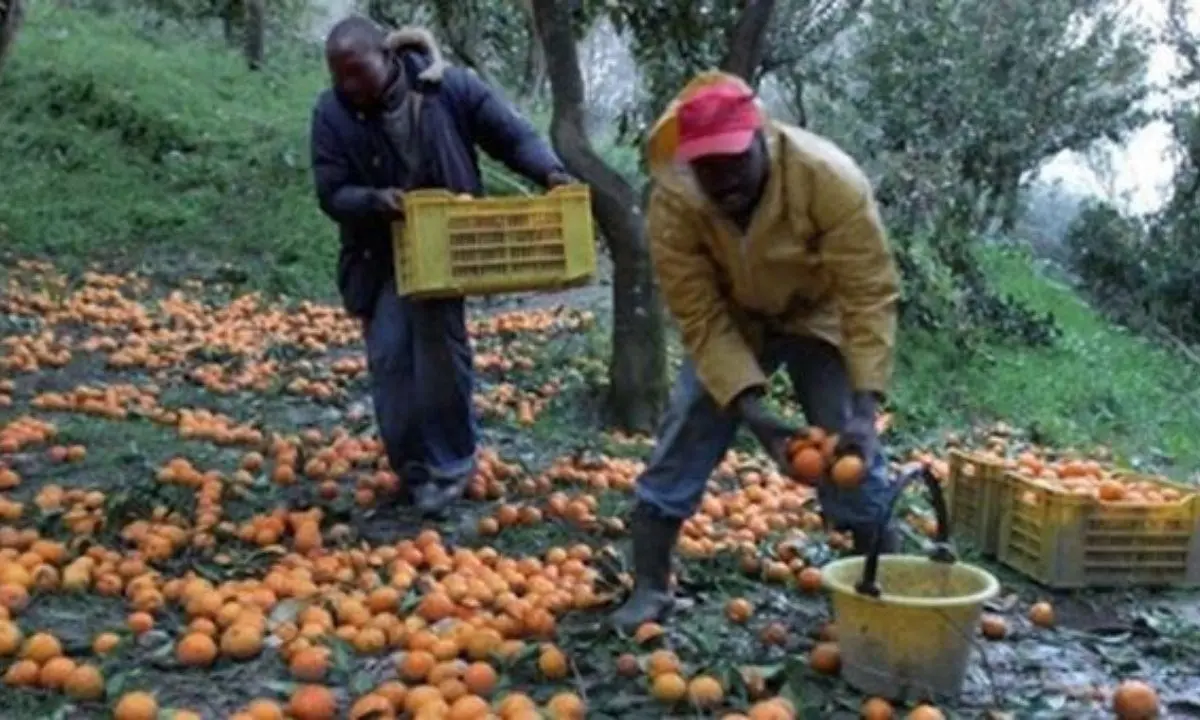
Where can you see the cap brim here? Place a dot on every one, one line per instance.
(730, 143)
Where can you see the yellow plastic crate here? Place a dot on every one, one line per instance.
(1070, 541)
(452, 246)
(973, 498)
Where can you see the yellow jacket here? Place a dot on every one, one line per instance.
(815, 261)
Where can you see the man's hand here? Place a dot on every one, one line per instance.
(392, 202)
(555, 179)
(771, 431)
(859, 436)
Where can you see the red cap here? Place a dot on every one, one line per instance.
(719, 119)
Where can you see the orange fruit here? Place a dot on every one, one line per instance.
(668, 688)
(661, 662)
(41, 647)
(825, 658)
(847, 472)
(263, 709)
(105, 642)
(877, 709)
(241, 641)
(1135, 700)
(22, 673)
(553, 663)
(140, 622)
(705, 692)
(627, 665)
(926, 712)
(10, 638)
(196, 650)
(136, 705)
(993, 627)
(394, 691)
(810, 580)
(416, 665)
(1041, 614)
(85, 683)
(739, 610)
(480, 679)
(808, 464)
(313, 702)
(468, 707)
(54, 673)
(565, 706)
(373, 706)
(309, 664)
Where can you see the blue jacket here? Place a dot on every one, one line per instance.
(351, 156)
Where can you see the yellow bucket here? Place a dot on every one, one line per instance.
(913, 641)
(906, 624)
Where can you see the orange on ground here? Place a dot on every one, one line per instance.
(739, 610)
(313, 702)
(993, 627)
(85, 683)
(1135, 700)
(196, 650)
(553, 663)
(1041, 614)
(877, 709)
(705, 692)
(826, 658)
(566, 706)
(136, 705)
(926, 712)
(668, 688)
(810, 580)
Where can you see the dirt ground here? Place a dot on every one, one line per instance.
(143, 378)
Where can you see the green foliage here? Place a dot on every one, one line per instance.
(967, 97)
(1141, 269)
(1099, 383)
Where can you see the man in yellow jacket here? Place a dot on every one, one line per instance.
(770, 252)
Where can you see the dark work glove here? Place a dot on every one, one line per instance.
(558, 178)
(391, 202)
(858, 436)
(771, 431)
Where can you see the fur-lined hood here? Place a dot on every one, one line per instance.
(420, 40)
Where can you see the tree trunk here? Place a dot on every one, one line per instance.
(747, 42)
(12, 14)
(533, 74)
(638, 369)
(230, 14)
(255, 33)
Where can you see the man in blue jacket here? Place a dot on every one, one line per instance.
(398, 117)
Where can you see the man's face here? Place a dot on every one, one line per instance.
(733, 182)
(360, 75)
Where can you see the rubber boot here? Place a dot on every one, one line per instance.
(654, 539)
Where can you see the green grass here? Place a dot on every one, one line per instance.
(1099, 384)
(158, 151)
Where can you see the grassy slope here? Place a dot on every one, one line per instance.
(121, 147)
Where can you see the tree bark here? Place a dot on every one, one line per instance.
(747, 44)
(12, 15)
(533, 73)
(256, 32)
(637, 369)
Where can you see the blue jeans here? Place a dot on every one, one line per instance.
(695, 435)
(422, 382)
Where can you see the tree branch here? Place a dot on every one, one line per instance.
(747, 42)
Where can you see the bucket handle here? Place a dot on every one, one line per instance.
(941, 552)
